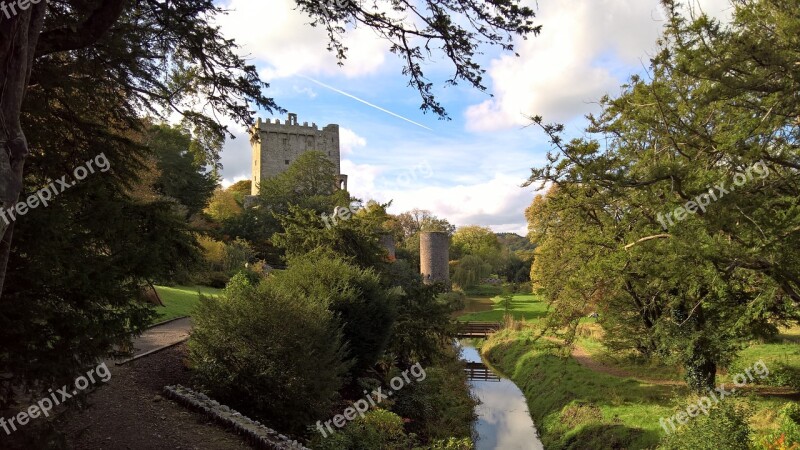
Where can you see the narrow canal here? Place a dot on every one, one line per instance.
(503, 418)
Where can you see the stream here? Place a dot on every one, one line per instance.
(503, 418)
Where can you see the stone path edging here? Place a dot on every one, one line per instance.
(148, 353)
(254, 432)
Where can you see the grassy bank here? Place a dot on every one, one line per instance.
(574, 407)
(181, 301)
(578, 406)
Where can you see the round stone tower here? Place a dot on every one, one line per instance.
(434, 257)
(387, 242)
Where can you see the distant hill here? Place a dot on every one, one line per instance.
(514, 241)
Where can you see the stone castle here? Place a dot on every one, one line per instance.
(280, 144)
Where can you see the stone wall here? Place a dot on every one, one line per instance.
(254, 432)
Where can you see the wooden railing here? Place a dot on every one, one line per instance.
(477, 329)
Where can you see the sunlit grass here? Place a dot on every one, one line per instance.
(523, 306)
(180, 301)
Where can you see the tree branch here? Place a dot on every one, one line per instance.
(648, 238)
(87, 33)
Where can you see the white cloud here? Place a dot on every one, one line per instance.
(306, 91)
(349, 141)
(236, 158)
(360, 178)
(498, 203)
(584, 49)
(279, 35)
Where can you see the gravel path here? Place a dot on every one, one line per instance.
(161, 335)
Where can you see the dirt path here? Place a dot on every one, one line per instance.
(128, 412)
(586, 360)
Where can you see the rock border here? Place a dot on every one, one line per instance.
(254, 432)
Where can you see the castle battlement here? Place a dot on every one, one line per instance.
(279, 144)
(268, 124)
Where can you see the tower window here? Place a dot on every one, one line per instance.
(287, 162)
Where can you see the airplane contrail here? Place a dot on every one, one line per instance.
(363, 101)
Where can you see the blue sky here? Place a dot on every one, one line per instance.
(467, 170)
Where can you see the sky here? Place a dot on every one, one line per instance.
(468, 170)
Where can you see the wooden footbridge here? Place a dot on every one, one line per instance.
(476, 329)
(479, 372)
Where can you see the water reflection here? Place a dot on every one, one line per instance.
(503, 418)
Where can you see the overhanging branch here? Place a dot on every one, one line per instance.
(98, 22)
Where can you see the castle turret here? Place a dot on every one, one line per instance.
(434, 257)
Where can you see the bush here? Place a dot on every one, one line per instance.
(788, 435)
(724, 428)
(377, 430)
(455, 300)
(440, 406)
(274, 356)
(355, 295)
(780, 373)
(452, 444)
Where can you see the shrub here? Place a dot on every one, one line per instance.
(355, 295)
(274, 356)
(452, 444)
(724, 428)
(440, 406)
(455, 300)
(780, 373)
(377, 430)
(788, 435)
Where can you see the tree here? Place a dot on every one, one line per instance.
(470, 270)
(416, 220)
(180, 177)
(240, 190)
(434, 23)
(477, 241)
(309, 182)
(307, 188)
(694, 284)
(223, 206)
(201, 61)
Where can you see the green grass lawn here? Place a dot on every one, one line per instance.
(523, 306)
(180, 301)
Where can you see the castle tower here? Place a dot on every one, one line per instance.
(388, 243)
(434, 257)
(280, 144)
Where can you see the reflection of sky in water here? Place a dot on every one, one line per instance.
(503, 419)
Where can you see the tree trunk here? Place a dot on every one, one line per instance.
(19, 35)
